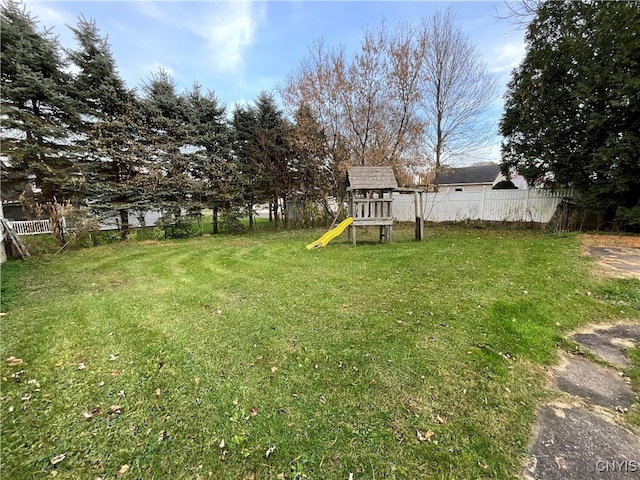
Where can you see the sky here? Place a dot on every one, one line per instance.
(238, 49)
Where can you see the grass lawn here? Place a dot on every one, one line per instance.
(251, 357)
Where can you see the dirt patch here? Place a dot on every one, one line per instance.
(610, 240)
(617, 255)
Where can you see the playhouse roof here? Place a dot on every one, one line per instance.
(374, 178)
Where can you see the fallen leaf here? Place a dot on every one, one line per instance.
(59, 364)
(269, 451)
(260, 359)
(221, 444)
(14, 362)
(440, 419)
(274, 369)
(158, 391)
(87, 415)
(251, 476)
(560, 463)
(350, 475)
(254, 411)
(81, 366)
(115, 373)
(115, 409)
(424, 437)
(26, 397)
(123, 469)
(163, 436)
(113, 358)
(58, 458)
(280, 476)
(197, 380)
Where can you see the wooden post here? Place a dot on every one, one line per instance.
(421, 223)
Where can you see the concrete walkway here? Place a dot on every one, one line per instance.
(584, 437)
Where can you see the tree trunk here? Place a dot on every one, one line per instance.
(276, 216)
(215, 221)
(124, 224)
(270, 212)
(286, 212)
(251, 219)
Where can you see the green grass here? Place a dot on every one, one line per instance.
(335, 356)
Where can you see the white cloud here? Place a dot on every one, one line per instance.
(47, 16)
(507, 56)
(229, 29)
(151, 9)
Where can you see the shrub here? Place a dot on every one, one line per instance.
(504, 185)
(231, 221)
(629, 218)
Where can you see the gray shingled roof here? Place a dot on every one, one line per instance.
(381, 178)
(478, 174)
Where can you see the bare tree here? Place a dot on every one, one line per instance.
(519, 13)
(366, 105)
(457, 90)
(408, 98)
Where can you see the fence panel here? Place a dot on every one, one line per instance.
(489, 205)
(32, 227)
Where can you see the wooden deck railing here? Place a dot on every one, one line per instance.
(371, 209)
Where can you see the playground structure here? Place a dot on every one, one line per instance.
(370, 201)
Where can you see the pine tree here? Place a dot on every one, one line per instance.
(271, 151)
(110, 158)
(212, 167)
(167, 140)
(243, 140)
(38, 112)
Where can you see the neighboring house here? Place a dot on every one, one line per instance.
(476, 178)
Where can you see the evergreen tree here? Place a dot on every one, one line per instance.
(270, 152)
(312, 174)
(109, 159)
(37, 111)
(211, 161)
(572, 112)
(167, 142)
(243, 140)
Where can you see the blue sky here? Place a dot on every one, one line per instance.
(237, 49)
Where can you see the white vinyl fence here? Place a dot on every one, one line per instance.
(489, 205)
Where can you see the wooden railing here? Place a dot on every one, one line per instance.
(371, 209)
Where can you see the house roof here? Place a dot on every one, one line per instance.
(483, 174)
(375, 178)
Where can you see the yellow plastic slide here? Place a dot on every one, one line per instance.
(331, 234)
